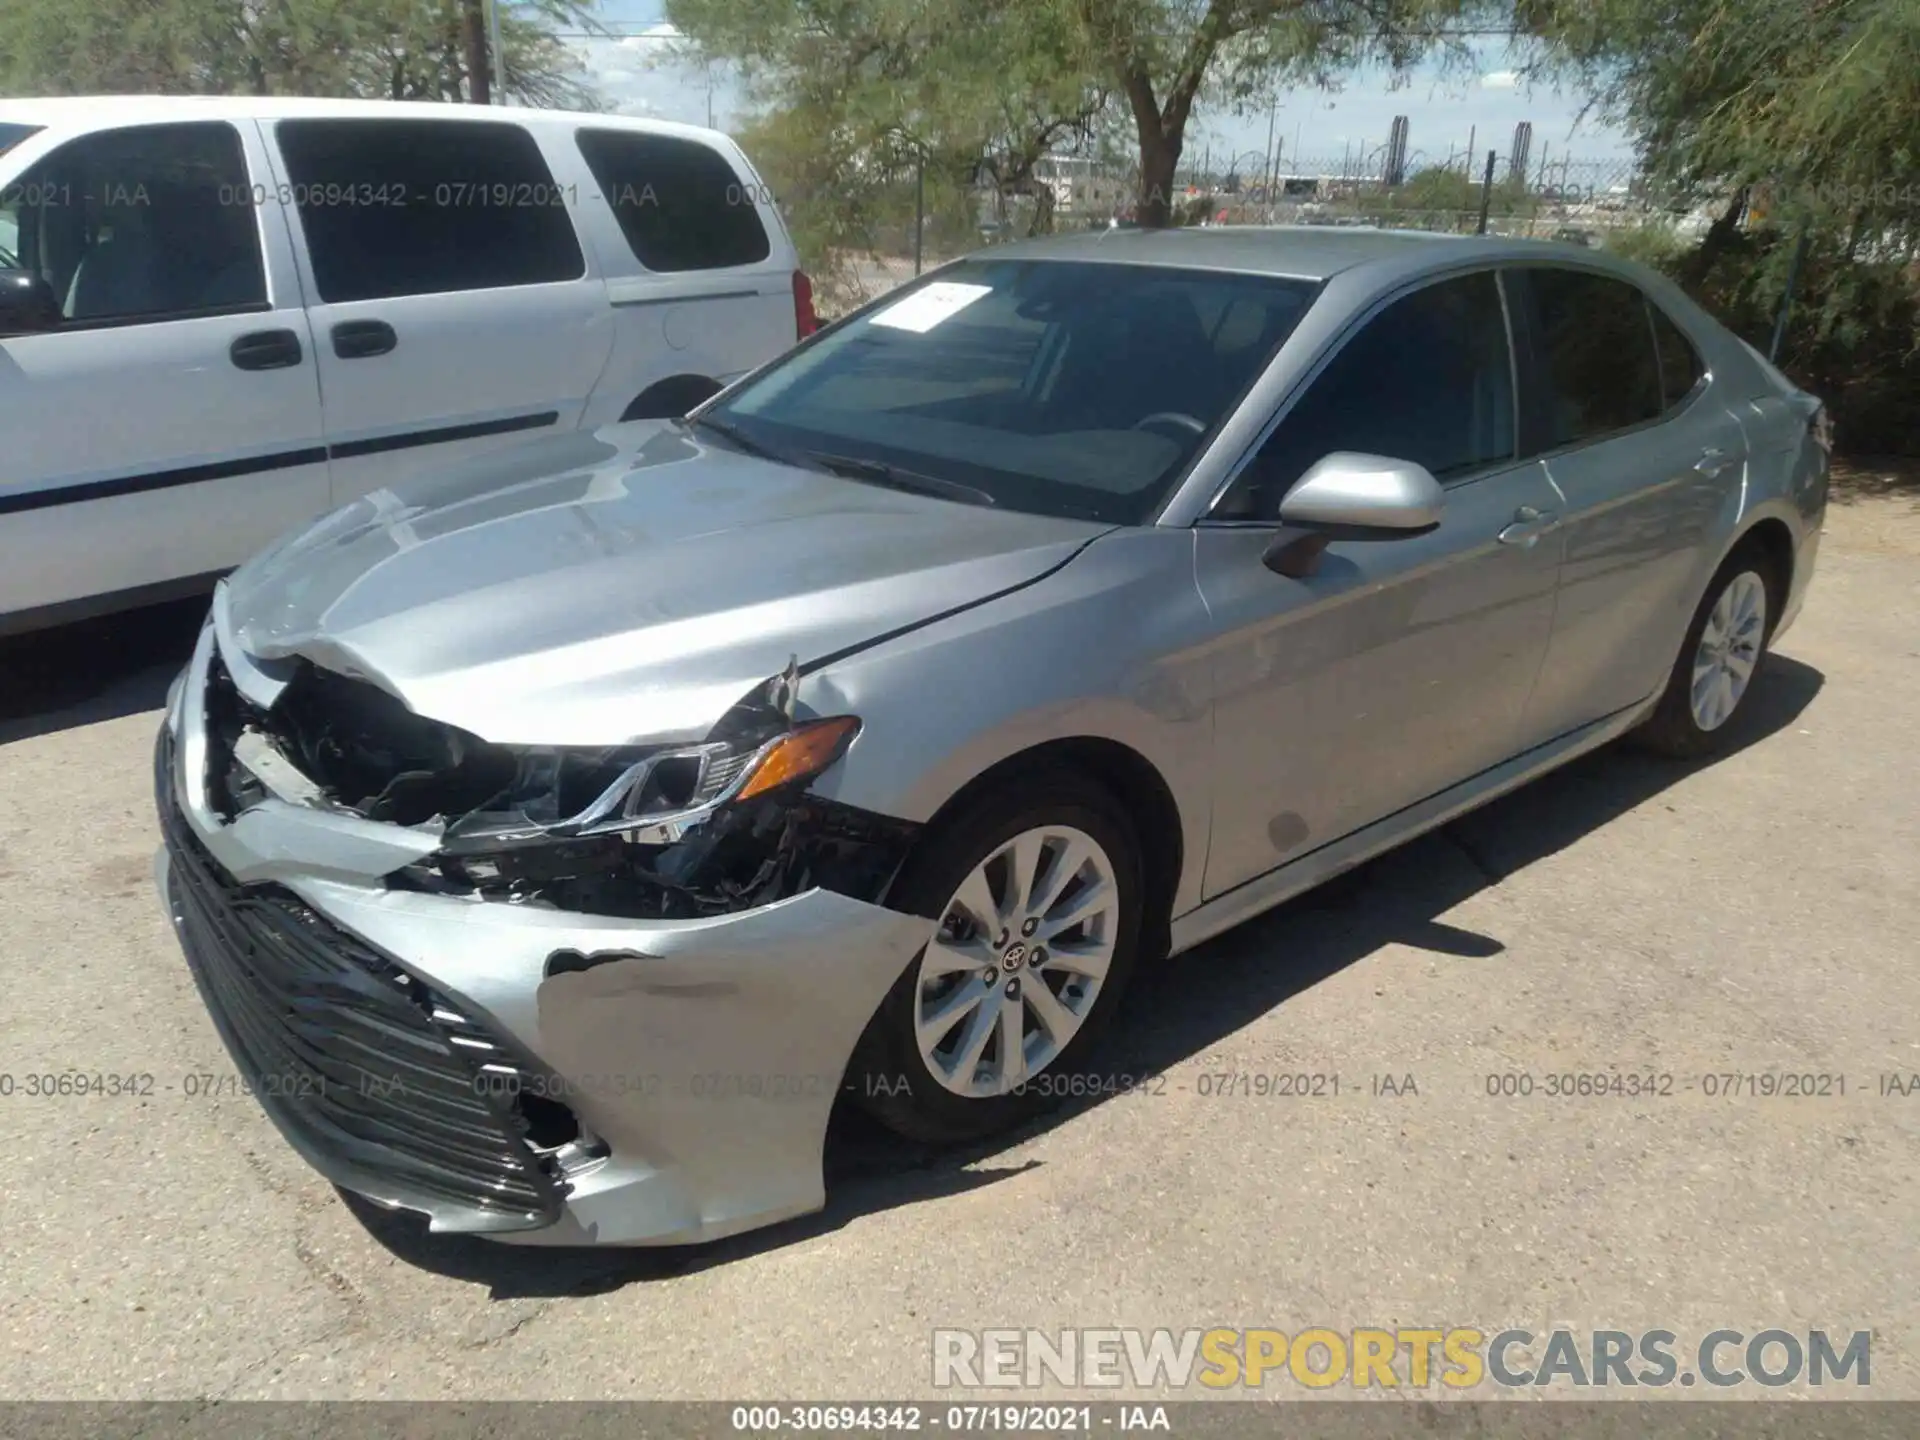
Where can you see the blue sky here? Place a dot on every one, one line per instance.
(638, 74)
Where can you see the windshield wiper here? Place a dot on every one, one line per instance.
(740, 440)
(878, 472)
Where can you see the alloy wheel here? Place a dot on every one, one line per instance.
(1729, 649)
(1017, 961)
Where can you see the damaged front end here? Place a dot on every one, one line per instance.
(663, 832)
(550, 996)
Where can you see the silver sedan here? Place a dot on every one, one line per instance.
(556, 842)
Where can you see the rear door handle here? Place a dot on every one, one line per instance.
(1528, 526)
(358, 339)
(266, 350)
(1712, 461)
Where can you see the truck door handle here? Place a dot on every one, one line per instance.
(1712, 461)
(1528, 526)
(358, 339)
(265, 350)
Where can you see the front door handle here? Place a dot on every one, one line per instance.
(265, 350)
(1713, 461)
(358, 339)
(1528, 526)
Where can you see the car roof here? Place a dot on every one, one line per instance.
(93, 112)
(1300, 252)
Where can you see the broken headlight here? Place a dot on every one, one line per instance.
(652, 798)
(750, 838)
(727, 824)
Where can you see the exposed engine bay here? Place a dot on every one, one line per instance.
(636, 832)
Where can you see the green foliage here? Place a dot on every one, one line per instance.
(885, 84)
(1814, 102)
(388, 49)
(865, 100)
(1810, 109)
(1653, 246)
(1853, 334)
(1164, 55)
(1448, 192)
(841, 212)
(993, 85)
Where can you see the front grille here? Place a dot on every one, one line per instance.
(363, 1059)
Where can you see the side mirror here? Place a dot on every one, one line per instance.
(1358, 494)
(27, 304)
(1349, 496)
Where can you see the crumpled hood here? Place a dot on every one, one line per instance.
(625, 585)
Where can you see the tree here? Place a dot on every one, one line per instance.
(1812, 106)
(385, 49)
(1164, 55)
(1009, 79)
(884, 90)
(1801, 119)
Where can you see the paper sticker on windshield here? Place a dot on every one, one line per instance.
(927, 307)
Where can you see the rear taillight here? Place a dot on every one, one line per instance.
(1821, 428)
(805, 322)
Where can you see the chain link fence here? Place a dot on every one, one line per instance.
(1599, 203)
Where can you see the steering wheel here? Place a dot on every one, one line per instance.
(1173, 417)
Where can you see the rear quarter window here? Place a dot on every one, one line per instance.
(681, 204)
(1681, 368)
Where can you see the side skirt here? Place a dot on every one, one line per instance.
(1296, 877)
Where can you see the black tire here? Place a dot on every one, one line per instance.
(888, 1075)
(1672, 729)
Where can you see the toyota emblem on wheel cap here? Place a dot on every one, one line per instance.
(1016, 955)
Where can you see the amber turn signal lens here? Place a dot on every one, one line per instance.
(801, 753)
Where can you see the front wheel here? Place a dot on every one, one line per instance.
(1035, 895)
(1725, 648)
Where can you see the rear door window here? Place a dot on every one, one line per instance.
(681, 204)
(426, 207)
(1595, 361)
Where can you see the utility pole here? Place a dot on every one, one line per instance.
(1272, 115)
(1486, 194)
(919, 203)
(473, 37)
(499, 63)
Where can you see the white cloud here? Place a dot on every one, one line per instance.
(1500, 80)
(654, 78)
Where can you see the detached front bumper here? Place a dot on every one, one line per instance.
(430, 1052)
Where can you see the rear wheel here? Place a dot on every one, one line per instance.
(1725, 648)
(1035, 893)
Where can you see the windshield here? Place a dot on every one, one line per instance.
(1063, 388)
